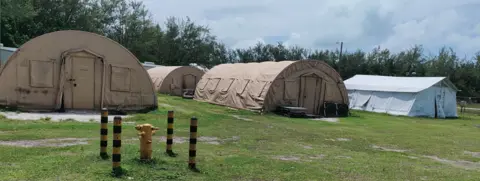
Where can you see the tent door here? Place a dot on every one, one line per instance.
(439, 103)
(189, 81)
(80, 82)
(310, 95)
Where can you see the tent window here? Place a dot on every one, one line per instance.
(135, 85)
(213, 83)
(291, 90)
(242, 88)
(228, 85)
(41, 74)
(264, 86)
(204, 84)
(120, 79)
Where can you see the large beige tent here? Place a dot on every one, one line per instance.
(266, 85)
(75, 70)
(174, 80)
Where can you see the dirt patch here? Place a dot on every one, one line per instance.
(307, 147)
(317, 156)
(55, 142)
(339, 139)
(67, 116)
(287, 158)
(241, 118)
(331, 120)
(412, 157)
(299, 157)
(6, 164)
(209, 140)
(388, 149)
(346, 157)
(474, 154)
(468, 165)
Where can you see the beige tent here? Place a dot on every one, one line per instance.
(266, 85)
(74, 70)
(174, 80)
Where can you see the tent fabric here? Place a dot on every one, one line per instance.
(174, 80)
(392, 84)
(75, 70)
(408, 96)
(266, 85)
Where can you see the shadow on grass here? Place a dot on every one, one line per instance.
(119, 172)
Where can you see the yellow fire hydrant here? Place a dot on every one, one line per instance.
(145, 135)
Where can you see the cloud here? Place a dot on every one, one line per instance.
(360, 24)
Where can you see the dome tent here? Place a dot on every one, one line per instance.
(75, 70)
(174, 80)
(266, 85)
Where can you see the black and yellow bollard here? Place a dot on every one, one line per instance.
(104, 134)
(117, 144)
(170, 120)
(192, 151)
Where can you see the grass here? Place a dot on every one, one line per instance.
(252, 156)
(473, 105)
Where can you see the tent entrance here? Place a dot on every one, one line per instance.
(310, 94)
(189, 81)
(81, 81)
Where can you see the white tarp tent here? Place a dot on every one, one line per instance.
(408, 96)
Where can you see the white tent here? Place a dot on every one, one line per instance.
(408, 96)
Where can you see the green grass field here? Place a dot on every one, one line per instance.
(242, 145)
(473, 106)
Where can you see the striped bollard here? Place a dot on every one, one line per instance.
(192, 151)
(117, 144)
(104, 133)
(170, 120)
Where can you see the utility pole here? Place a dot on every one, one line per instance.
(341, 49)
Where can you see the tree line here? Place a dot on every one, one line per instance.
(179, 41)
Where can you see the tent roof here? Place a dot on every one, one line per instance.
(267, 70)
(394, 84)
(161, 71)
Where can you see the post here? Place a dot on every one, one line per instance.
(170, 120)
(117, 144)
(192, 151)
(104, 133)
(341, 49)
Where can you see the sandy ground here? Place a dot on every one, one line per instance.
(55, 142)
(332, 120)
(54, 116)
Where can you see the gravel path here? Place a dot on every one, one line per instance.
(54, 116)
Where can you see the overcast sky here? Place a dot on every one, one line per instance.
(360, 24)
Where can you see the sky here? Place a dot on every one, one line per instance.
(320, 24)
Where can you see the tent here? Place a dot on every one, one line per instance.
(5, 52)
(267, 85)
(174, 80)
(408, 96)
(75, 70)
